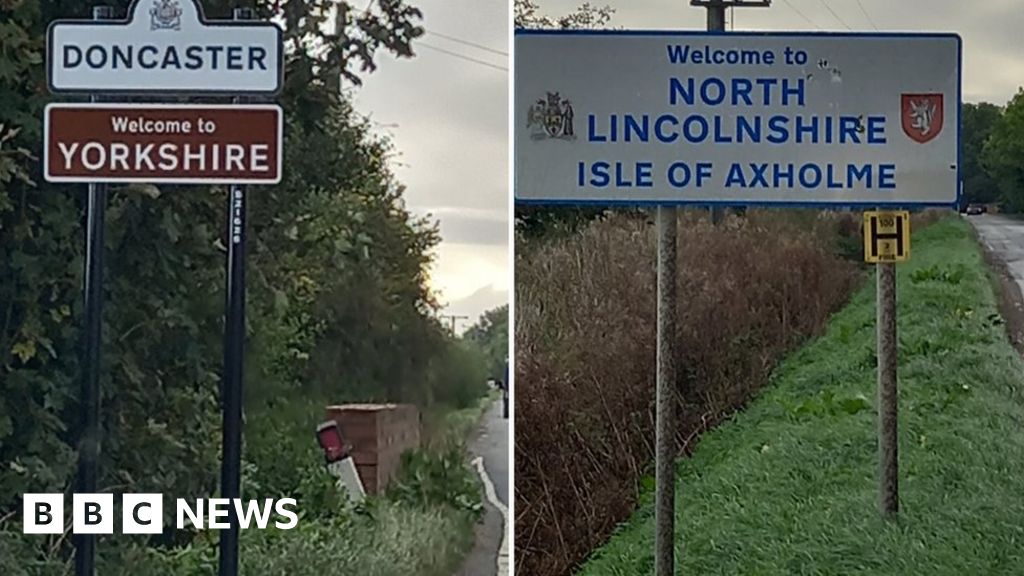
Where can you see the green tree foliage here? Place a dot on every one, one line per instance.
(978, 121)
(490, 334)
(338, 307)
(587, 16)
(1003, 152)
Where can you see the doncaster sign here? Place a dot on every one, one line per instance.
(165, 46)
(746, 118)
(182, 144)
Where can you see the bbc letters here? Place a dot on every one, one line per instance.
(143, 513)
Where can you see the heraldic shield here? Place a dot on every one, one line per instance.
(921, 116)
(165, 15)
(552, 116)
(553, 122)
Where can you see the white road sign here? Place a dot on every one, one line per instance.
(164, 46)
(742, 118)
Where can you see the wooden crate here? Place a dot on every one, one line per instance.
(379, 434)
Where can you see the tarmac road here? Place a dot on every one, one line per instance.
(491, 443)
(489, 454)
(1004, 237)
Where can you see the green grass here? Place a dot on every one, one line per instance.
(387, 540)
(422, 526)
(789, 485)
(445, 426)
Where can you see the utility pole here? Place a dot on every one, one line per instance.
(716, 23)
(453, 318)
(333, 80)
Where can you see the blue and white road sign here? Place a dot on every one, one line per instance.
(631, 117)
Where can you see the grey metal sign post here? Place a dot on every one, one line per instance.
(888, 454)
(665, 424)
(887, 241)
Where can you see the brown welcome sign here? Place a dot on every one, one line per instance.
(183, 144)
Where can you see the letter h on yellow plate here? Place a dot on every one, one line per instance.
(886, 236)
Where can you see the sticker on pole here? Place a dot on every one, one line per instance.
(165, 46)
(886, 236)
(647, 117)
(162, 143)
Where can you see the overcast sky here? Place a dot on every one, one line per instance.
(992, 30)
(449, 119)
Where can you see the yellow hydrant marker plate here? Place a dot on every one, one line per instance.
(886, 236)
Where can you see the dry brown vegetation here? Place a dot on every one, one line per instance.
(750, 289)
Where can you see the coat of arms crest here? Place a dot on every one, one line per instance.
(921, 115)
(165, 15)
(551, 117)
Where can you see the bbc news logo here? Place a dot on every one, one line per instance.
(144, 513)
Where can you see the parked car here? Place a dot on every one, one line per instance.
(973, 209)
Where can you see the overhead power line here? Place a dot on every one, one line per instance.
(829, 8)
(468, 43)
(866, 15)
(801, 14)
(462, 56)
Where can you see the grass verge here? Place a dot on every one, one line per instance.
(755, 288)
(383, 539)
(445, 427)
(788, 486)
(422, 525)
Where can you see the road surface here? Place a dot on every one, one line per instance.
(489, 454)
(1004, 237)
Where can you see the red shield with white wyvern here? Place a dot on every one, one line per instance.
(921, 115)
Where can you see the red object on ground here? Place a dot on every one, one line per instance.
(331, 441)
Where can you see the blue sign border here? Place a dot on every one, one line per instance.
(753, 204)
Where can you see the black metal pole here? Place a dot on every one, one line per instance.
(231, 391)
(234, 352)
(91, 435)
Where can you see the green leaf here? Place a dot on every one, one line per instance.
(647, 483)
(170, 225)
(25, 351)
(48, 345)
(280, 301)
(855, 404)
(6, 426)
